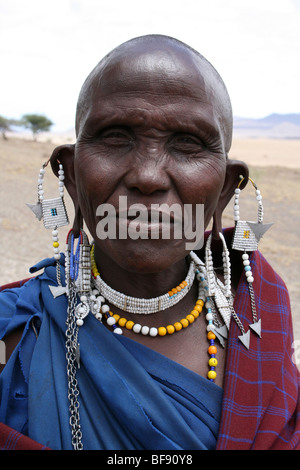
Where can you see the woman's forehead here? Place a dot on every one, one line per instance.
(166, 74)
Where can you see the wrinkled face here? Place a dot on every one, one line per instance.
(151, 130)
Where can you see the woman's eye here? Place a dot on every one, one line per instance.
(115, 137)
(187, 143)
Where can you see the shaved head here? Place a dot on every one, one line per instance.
(157, 56)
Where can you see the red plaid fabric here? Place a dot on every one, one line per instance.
(13, 440)
(261, 407)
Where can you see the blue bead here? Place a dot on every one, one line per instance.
(247, 268)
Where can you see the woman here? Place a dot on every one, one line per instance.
(154, 126)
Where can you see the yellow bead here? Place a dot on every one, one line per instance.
(212, 374)
(190, 318)
(116, 317)
(55, 244)
(122, 322)
(213, 362)
(211, 335)
(195, 313)
(177, 326)
(200, 302)
(162, 331)
(170, 293)
(198, 307)
(184, 322)
(170, 329)
(129, 325)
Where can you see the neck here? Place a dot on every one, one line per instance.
(140, 284)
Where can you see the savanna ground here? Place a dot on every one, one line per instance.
(274, 165)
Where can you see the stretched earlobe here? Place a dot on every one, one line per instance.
(234, 169)
(65, 154)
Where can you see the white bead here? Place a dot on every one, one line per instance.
(153, 331)
(61, 183)
(250, 279)
(79, 322)
(42, 171)
(54, 233)
(209, 316)
(137, 328)
(60, 172)
(57, 256)
(245, 256)
(118, 331)
(236, 217)
(259, 197)
(105, 308)
(248, 273)
(237, 190)
(111, 321)
(246, 262)
(99, 316)
(210, 327)
(61, 177)
(83, 298)
(92, 297)
(56, 250)
(145, 330)
(208, 304)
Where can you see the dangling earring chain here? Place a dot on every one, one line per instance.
(54, 215)
(143, 306)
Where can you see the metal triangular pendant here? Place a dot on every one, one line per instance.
(56, 291)
(220, 338)
(36, 209)
(245, 339)
(256, 327)
(222, 330)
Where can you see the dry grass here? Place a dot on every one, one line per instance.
(274, 164)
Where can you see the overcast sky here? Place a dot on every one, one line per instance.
(48, 47)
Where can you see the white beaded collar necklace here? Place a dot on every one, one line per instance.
(140, 305)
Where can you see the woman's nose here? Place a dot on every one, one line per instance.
(148, 174)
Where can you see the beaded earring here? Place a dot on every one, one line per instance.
(246, 237)
(54, 215)
(220, 297)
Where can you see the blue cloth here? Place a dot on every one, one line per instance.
(130, 396)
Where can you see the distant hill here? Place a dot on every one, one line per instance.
(274, 126)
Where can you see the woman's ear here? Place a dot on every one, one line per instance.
(234, 170)
(64, 154)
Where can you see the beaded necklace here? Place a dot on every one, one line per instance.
(117, 322)
(138, 305)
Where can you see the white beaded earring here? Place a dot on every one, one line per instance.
(54, 215)
(246, 237)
